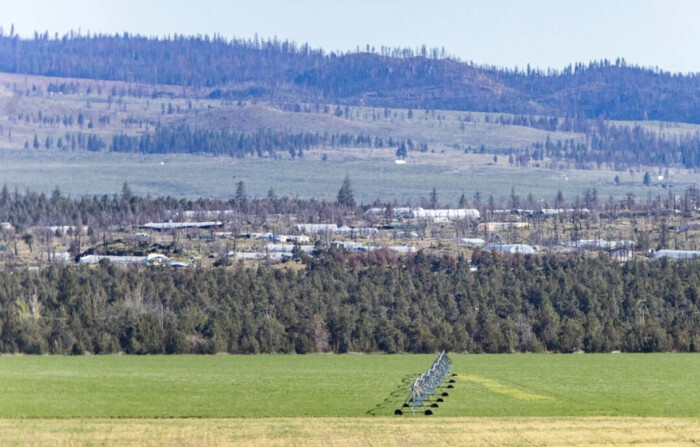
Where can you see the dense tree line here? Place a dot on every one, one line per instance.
(188, 61)
(279, 70)
(261, 143)
(31, 208)
(366, 303)
(618, 146)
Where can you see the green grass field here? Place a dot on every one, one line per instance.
(373, 174)
(268, 386)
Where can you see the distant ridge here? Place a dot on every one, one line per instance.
(282, 71)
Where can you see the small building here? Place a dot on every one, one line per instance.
(202, 214)
(522, 249)
(95, 259)
(621, 255)
(278, 256)
(394, 212)
(164, 226)
(347, 245)
(463, 213)
(395, 248)
(299, 239)
(151, 259)
(674, 254)
(282, 238)
(356, 231)
(402, 248)
(601, 244)
(501, 226)
(556, 211)
(66, 229)
(317, 228)
(406, 235)
(62, 256)
(288, 248)
(475, 241)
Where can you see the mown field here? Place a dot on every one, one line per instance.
(652, 385)
(543, 400)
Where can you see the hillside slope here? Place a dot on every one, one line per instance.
(282, 71)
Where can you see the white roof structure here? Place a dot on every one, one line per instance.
(356, 231)
(258, 255)
(398, 211)
(288, 248)
(65, 229)
(177, 225)
(395, 248)
(472, 241)
(202, 214)
(402, 249)
(299, 239)
(420, 213)
(317, 228)
(555, 211)
(333, 228)
(676, 254)
(347, 245)
(602, 244)
(523, 249)
(94, 259)
(151, 259)
(62, 256)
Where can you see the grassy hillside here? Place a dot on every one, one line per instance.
(277, 70)
(134, 108)
(459, 157)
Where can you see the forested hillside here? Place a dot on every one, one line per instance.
(365, 303)
(279, 70)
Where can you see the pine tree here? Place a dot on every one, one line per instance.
(240, 192)
(345, 195)
(462, 202)
(401, 152)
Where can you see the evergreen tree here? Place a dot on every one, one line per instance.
(345, 194)
(433, 198)
(401, 152)
(240, 192)
(462, 201)
(126, 193)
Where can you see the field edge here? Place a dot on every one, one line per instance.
(412, 430)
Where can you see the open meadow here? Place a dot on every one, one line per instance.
(373, 174)
(544, 400)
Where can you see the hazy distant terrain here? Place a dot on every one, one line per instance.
(283, 70)
(64, 131)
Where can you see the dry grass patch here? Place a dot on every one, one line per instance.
(406, 431)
